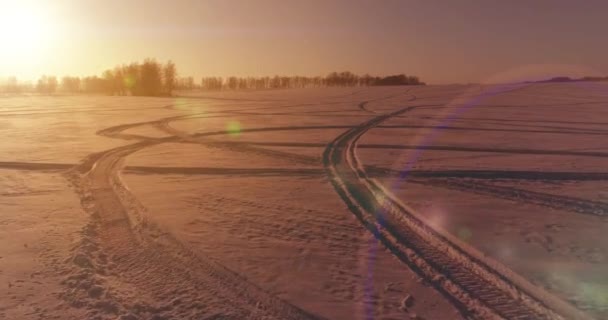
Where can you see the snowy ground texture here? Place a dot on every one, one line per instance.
(436, 202)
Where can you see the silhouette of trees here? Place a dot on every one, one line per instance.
(94, 84)
(212, 83)
(169, 77)
(185, 83)
(397, 80)
(148, 78)
(70, 84)
(151, 78)
(342, 79)
(568, 79)
(47, 85)
(333, 79)
(11, 85)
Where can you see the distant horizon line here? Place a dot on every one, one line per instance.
(558, 78)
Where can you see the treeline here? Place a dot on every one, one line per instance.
(151, 78)
(12, 85)
(148, 78)
(568, 79)
(334, 79)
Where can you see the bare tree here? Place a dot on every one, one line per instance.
(70, 84)
(169, 77)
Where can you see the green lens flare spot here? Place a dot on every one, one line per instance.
(594, 294)
(234, 128)
(129, 81)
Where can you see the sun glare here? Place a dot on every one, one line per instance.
(25, 31)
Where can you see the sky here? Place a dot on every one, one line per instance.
(439, 41)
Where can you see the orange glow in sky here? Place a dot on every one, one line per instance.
(27, 34)
(439, 41)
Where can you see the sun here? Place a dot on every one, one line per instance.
(25, 30)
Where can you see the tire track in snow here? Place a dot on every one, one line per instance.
(235, 146)
(363, 105)
(559, 202)
(101, 190)
(481, 288)
(371, 170)
(554, 201)
(167, 276)
(150, 262)
(571, 204)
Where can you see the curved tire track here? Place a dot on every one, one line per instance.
(470, 282)
(363, 105)
(158, 267)
(479, 287)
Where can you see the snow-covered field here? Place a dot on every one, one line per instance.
(436, 202)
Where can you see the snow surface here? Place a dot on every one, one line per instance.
(231, 212)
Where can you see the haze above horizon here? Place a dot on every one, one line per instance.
(441, 42)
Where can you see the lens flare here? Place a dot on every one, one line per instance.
(234, 128)
(594, 294)
(129, 81)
